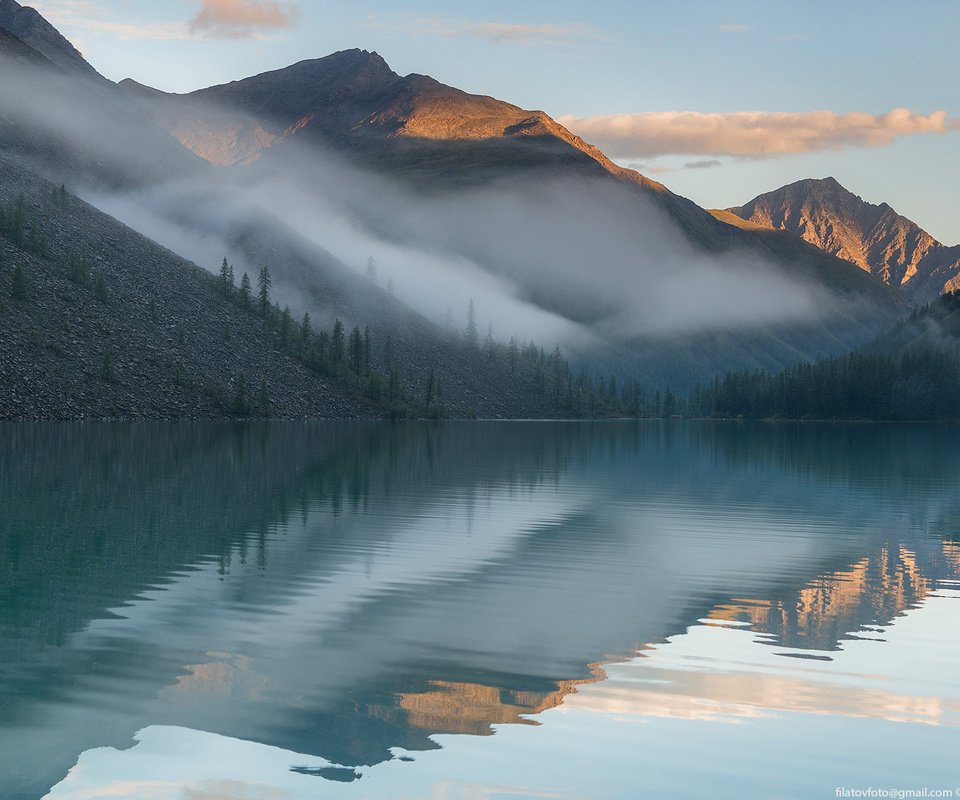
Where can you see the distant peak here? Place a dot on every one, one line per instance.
(369, 59)
(829, 183)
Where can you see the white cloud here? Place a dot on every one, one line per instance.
(750, 134)
(238, 19)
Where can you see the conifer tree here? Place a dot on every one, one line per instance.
(470, 332)
(366, 351)
(245, 291)
(356, 350)
(306, 331)
(263, 285)
(285, 326)
(336, 342)
(226, 281)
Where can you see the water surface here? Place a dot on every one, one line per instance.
(570, 610)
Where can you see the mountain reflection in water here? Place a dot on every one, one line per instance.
(348, 593)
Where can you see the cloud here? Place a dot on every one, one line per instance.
(707, 163)
(239, 19)
(750, 134)
(541, 35)
(732, 27)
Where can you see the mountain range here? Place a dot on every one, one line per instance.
(312, 167)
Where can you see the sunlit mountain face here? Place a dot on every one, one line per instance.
(319, 604)
(874, 237)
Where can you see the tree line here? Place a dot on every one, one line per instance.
(913, 373)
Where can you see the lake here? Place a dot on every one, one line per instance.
(207, 611)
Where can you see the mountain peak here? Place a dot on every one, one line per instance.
(874, 237)
(28, 24)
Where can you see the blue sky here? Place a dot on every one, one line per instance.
(618, 73)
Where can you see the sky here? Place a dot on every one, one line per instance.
(720, 101)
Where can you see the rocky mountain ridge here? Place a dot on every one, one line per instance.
(874, 237)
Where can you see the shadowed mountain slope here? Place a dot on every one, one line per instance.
(27, 24)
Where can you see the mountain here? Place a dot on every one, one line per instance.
(29, 26)
(584, 253)
(353, 100)
(409, 127)
(874, 237)
(442, 143)
(97, 320)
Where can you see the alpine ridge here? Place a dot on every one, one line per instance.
(874, 237)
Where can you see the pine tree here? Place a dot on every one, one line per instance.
(226, 283)
(356, 350)
(323, 343)
(366, 351)
(470, 332)
(263, 285)
(306, 331)
(336, 342)
(285, 320)
(371, 270)
(245, 291)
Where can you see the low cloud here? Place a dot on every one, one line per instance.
(707, 163)
(750, 134)
(497, 32)
(239, 19)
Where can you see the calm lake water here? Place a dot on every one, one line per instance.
(488, 610)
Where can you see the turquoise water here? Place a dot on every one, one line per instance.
(483, 610)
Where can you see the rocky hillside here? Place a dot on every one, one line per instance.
(98, 321)
(874, 237)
